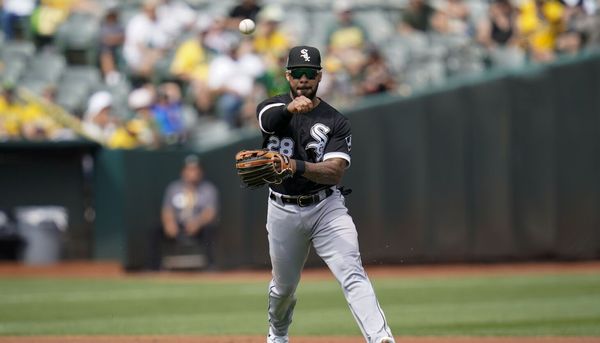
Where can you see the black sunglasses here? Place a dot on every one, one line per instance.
(311, 73)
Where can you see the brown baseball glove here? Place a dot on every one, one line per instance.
(259, 167)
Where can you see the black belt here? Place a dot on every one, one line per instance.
(303, 200)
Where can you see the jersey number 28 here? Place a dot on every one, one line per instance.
(284, 146)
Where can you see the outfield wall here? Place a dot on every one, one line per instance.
(505, 168)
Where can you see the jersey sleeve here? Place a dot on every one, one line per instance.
(340, 143)
(272, 115)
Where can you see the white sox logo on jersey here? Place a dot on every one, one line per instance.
(319, 133)
(304, 54)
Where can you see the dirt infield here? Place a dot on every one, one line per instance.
(113, 270)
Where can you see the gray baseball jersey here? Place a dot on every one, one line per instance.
(320, 219)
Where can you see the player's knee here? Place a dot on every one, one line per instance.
(283, 291)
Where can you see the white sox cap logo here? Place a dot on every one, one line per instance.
(304, 57)
(304, 54)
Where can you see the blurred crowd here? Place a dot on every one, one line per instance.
(168, 67)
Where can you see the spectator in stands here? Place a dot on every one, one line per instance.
(244, 9)
(416, 16)
(25, 118)
(20, 119)
(112, 36)
(498, 28)
(190, 65)
(10, 109)
(457, 15)
(270, 41)
(168, 113)
(231, 78)
(175, 17)
(102, 126)
(376, 77)
(218, 38)
(190, 208)
(570, 42)
(50, 14)
(273, 80)
(345, 33)
(540, 22)
(15, 18)
(584, 17)
(145, 42)
(439, 24)
(582, 27)
(143, 125)
(347, 43)
(498, 33)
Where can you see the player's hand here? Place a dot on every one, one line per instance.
(300, 104)
(279, 167)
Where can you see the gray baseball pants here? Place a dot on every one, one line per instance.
(328, 226)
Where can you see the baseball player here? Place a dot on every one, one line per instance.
(309, 208)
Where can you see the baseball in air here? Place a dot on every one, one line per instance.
(247, 26)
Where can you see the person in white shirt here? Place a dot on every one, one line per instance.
(15, 14)
(145, 41)
(231, 79)
(175, 17)
(98, 122)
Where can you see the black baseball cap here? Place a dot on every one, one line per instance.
(304, 56)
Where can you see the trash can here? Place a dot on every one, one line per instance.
(42, 229)
(10, 241)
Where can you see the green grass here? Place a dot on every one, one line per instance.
(492, 305)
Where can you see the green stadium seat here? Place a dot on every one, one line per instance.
(87, 74)
(379, 27)
(46, 66)
(78, 38)
(12, 69)
(75, 86)
(18, 49)
(36, 86)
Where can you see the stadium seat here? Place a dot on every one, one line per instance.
(379, 27)
(320, 25)
(75, 86)
(88, 74)
(211, 133)
(297, 23)
(219, 8)
(46, 66)
(78, 38)
(120, 93)
(12, 69)
(397, 55)
(36, 86)
(507, 57)
(18, 50)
